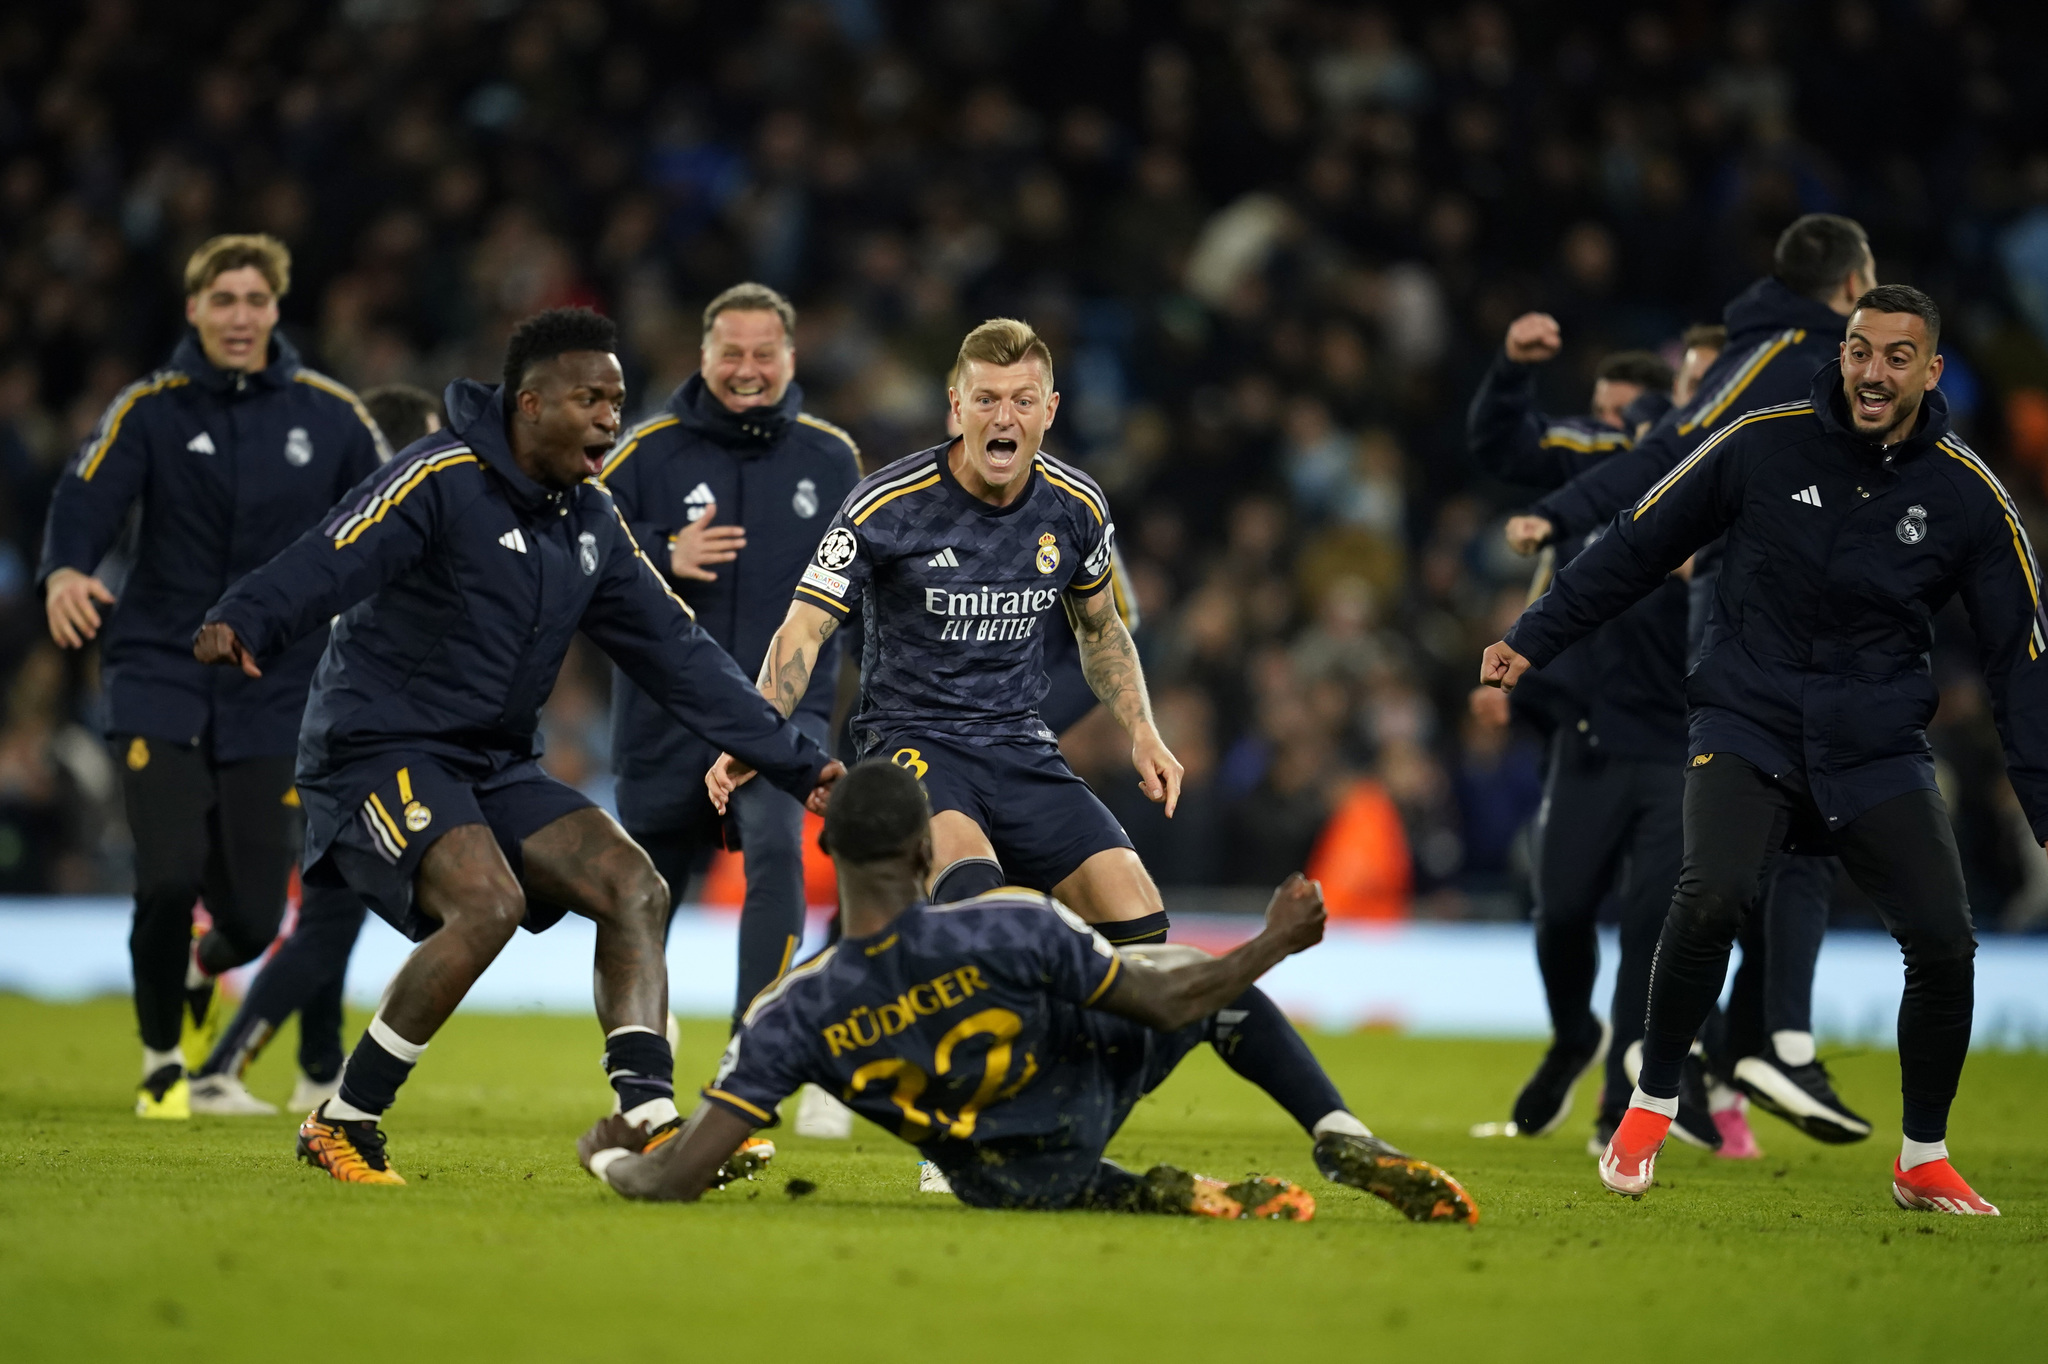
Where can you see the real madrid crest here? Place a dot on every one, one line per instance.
(1048, 553)
(298, 447)
(417, 816)
(1912, 527)
(586, 552)
(805, 502)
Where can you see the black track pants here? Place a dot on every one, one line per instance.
(1605, 823)
(303, 976)
(1773, 990)
(1902, 853)
(226, 833)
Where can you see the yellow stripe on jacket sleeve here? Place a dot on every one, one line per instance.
(120, 413)
(1754, 368)
(2020, 548)
(1707, 447)
(386, 501)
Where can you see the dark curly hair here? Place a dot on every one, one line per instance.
(1903, 298)
(555, 332)
(878, 811)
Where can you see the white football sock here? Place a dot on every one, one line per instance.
(1793, 1048)
(338, 1109)
(652, 1114)
(382, 1033)
(154, 1061)
(195, 978)
(1913, 1153)
(1721, 1098)
(1338, 1120)
(1667, 1107)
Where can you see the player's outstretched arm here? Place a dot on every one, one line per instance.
(785, 677)
(1109, 660)
(677, 1171)
(1173, 997)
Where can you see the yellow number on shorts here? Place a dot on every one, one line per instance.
(912, 759)
(1002, 1026)
(910, 1082)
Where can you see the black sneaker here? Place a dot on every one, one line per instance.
(1695, 1125)
(1802, 1096)
(1546, 1100)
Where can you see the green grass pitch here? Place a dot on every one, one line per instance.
(205, 1241)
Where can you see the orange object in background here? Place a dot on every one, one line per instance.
(1362, 857)
(725, 884)
(2026, 430)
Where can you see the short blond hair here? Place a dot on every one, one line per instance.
(1003, 341)
(218, 255)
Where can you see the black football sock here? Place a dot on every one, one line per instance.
(1255, 1039)
(1130, 932)
(376, 1068)
(967, 878)
(642, 1070)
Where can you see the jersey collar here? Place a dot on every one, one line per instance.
(969, 500)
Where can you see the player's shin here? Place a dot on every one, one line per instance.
(1255, 1039)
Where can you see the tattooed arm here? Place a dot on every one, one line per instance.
(785, 677)
(1109, 660)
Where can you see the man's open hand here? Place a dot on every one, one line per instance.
(701, 543)
(1159, 772)
(1500, 666)
(68, 598)
(726, 776)
(1295, 913)
(606, 1133)
(1527, 534)
(216, 643)
(1533, 338)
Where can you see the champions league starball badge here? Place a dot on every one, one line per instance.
(1048, 553)
(1912, 527)
(837, 549)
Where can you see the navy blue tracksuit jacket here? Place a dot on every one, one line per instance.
(459, 582)
(230, 468)
(1838, 554)
(1776, 340)
(780, 473)
(1624, 687)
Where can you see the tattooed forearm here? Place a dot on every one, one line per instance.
(786, 669)
(1109, 660)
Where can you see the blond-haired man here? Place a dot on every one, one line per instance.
(233, 449)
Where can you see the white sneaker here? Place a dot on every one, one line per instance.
(224, 1096)
(818, 1114)
(309, 1093)
(931, 1179)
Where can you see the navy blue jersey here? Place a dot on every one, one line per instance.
(957, 1021)
(954, 593)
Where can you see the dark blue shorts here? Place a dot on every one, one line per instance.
(1042, 820)
(375, 846)
(1112, 1064)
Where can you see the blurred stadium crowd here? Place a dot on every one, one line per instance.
(1273, 243)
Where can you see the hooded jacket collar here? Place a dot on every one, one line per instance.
(1832, 407)
(476, 413)
(190, 358)
(1768, 306)
(746, 432)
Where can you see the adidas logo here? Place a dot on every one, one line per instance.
(943, 559)
(512, 539)
(1810, 495)
(700, 497)
(202, 443)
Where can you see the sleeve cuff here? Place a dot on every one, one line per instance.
(1089, 589)
(744, 1109)
(820, 594)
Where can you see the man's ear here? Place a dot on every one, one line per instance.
(1934, 372)
(527, 400)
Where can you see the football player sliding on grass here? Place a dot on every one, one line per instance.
(1009, 1041)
